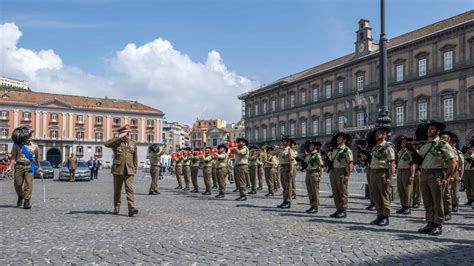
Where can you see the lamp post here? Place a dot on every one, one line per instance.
(384, 118)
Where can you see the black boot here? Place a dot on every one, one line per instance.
(341, 214)
(377, 220)
(371, 206)
(436, 231)
(426, 229)
(220, 195)
(260, 188)
(241, 198)
(407, 211)
(285, 205)
(235, 190)
(207, 192)
(416, 205)
(132, 212)
(253, 191)
(384, 222)
(26, 204)
(455, 208)
(401, 210)
(335, 213)
(179, 187)
(270, 194)
(312, 210)
(468, 203)
(19, 202)
(447, 216)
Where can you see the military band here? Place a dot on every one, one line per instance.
(428, 167)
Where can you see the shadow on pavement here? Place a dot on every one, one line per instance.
(8, 206)
(91, 212)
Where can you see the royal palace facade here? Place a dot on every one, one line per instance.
(430, 76)
(65, 124)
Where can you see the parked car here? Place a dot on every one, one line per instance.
(82, 172)
(48, 170)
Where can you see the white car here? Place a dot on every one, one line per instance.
(82, 172)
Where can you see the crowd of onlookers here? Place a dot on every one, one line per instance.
(4, 162)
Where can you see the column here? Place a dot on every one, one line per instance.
(89, 127)
(434, 56)
(71, 121)
(434, 101)
(45, 125)
(15, 118)
(142, 139)
(462, 108)
(37, 123)
(107, 126)
(63, 127)
(410, 106)
(126, 119)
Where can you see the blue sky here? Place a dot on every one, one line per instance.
(259, 40)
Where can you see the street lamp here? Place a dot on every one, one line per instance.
(384, 118)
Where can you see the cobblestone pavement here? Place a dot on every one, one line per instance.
(76, 226)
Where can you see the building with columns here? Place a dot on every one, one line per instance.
(65, 124)
(430, 76)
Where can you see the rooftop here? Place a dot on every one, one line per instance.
(75, 102)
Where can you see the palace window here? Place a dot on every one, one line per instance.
(399, 70)
(315, 126)
(99, 136)
(4, 115)
(448, 60)
(328, 123)
(282, 103)
(99, 120)
(360, 118)
(98, 151)
(264, 133)
(80, 119)
(273, 105)
(360, 82)
(264, 107)
(315, 89)
(399, 115)
(54, 117)
(448, 108)
(282, 129)
(134, 135)
(340, 86)
(150, 137)
(303, 128)
(422, 110)
(255, 132)
(150, 123)
(328, 91)
(256, 109)
(134, 122)
(342, 122)
(53, 133)
(273, 132)
(303, 97)
(422, 67)
(79, 150)
(80, 134)
(117, 121)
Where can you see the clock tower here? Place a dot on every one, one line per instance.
(363, 44)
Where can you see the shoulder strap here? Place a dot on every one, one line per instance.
(29, 156)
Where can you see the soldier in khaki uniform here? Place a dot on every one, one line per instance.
(277, 177)
(469, 173)
(214, 174)
(341, 158)
(241, 166)
(178, 168)
(271, 172)
(286, 157)
(194, 170)
(382, 169)
(25, 164)
(314, 172)
(154, 156)
(221, 159)
(433, 179)
(448, 198)
(124, 167)
(262, 157)
(72, 165)
(405, 175)
(207, 171)
(187, 167)
(253, 157)
(459, 173)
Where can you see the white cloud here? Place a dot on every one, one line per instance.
(154, 73)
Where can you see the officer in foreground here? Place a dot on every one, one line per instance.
(124, 167)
